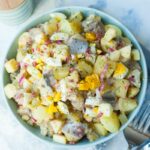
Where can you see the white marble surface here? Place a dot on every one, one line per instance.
(133, 13)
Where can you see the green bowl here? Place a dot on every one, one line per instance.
(11, 53)
(17, 15)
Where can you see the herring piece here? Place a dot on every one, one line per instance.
(74, 131)
(77, 45)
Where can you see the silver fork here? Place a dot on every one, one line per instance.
(141, 122)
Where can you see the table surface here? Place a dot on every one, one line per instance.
(133, 13)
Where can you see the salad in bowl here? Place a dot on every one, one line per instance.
(74, 77)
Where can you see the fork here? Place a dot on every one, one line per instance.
(141, 122)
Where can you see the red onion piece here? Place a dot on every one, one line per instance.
(21, 80)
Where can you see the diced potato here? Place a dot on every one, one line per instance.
(92, 101)
(126, 52)
(53, 62)
(126, 40)
(123, 118)
(61, 72)
(27, 84)
(10, 90)
(111, 68)
(34, 72)
(73, 76)
(60, 36)
(106, 88)
(90, 112)
(85, 68)
(111, 123)
(118, 31)
(75, 116)
(77, 101)
(132, 92)
(135, 55)
(58, 16)
(106, 109)
(59, 138)
(121, 87)
(20, 55)
(38, 35)
(91, 58)
(110, 34)
(56, 125)
(114, 56)
(87, 118)
(136, 76)
(127, 104)
(120, 71)
(70, 27)
(92, 136)
(11, 66)
(93, 48)
(63, 108)
(99, 128)
(50, 27)
(39, 113)
(24, 39)
(106, 45)
(100, 64)
(76, 17)
(61, 52)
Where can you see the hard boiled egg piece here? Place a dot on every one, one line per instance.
(120, 71)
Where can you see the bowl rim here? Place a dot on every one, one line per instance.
(144, 85)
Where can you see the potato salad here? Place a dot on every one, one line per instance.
(74, 77)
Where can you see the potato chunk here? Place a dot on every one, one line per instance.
(20, 55)
(111, 123)
(11, 66)
(59, 138)
(121, 87)
(70, 27)
(61, 72)
(114, 56)
(135, 55)
(100, 64)
(132, 92)
(127, 104)
(56, 125)
(76, 17)
(118, 31)
(10, 90)
(123, 118)
(126, 52)
(84, 68)
(40, 114)
(106, 109)
(99, 128)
